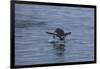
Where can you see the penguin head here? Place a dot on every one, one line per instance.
(59, 33)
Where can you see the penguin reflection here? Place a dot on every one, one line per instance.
(59, 52)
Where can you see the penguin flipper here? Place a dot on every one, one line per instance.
(51, 33)
(67, 34)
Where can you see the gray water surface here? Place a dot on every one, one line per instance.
(31, 41)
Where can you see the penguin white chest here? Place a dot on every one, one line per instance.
(56, 40)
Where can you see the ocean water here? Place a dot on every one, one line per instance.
(31, 41)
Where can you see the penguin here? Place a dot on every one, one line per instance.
(58, 32)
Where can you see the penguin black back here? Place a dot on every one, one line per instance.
(59, 33)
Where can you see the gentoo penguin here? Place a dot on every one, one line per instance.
(58, 32)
